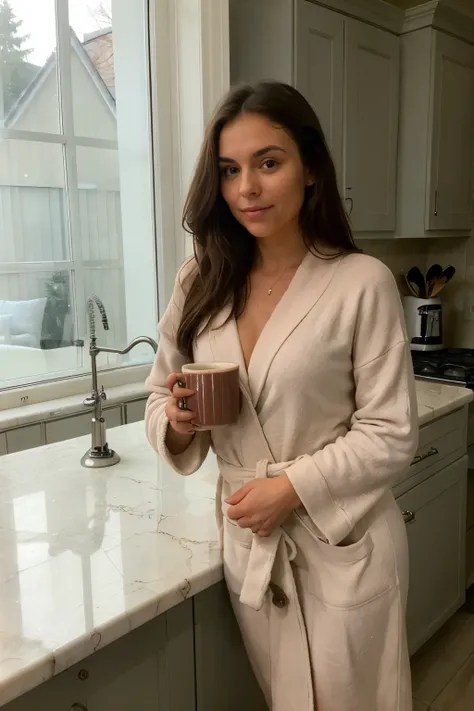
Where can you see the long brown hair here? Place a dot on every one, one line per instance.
(224, 250)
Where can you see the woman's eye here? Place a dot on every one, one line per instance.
(229, 171)
(269, 164)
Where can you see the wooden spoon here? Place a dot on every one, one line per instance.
(440, 283)
(417, 280)
(412, 288)
(434, 272)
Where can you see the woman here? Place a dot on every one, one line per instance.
(314, 546)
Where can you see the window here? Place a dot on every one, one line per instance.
(76, 184)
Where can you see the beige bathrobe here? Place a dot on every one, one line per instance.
(329, 398)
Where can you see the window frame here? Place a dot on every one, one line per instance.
(178, 31)
(75, 266)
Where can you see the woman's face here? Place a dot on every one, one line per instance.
(263, 179)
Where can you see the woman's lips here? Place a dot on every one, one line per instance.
(256, 212)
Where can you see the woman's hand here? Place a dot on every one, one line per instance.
(180, 420)
(263, 504)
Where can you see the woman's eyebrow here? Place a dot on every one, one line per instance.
(257, 154)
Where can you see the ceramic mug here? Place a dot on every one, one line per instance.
(216, 401)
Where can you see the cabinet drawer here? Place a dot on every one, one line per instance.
(440, 443)
(23, 438)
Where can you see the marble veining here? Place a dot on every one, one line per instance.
(87, 556)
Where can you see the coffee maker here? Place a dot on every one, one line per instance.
(424, 321)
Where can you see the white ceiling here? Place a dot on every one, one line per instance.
(466, 6)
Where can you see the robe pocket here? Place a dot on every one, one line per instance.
(344, 553)
(342, 577)
(237, 544)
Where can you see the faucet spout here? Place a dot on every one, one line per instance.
(132, 344)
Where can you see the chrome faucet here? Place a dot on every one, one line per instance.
(100, 455)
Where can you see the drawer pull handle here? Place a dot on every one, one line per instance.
(419, 458)
(408, 516)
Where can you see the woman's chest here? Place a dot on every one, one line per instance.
(317, 351)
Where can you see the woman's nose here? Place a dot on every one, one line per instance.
(249, 184)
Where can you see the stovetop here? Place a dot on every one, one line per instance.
(453, 365)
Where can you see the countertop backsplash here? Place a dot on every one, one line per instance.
(400, 254)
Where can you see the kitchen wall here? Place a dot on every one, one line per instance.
(458, 296)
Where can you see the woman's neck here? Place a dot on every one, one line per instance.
(278, 255)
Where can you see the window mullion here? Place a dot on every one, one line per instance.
(70, 162)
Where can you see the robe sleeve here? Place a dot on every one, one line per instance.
(170, 360)
(341, 482)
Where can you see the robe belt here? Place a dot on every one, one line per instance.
(263, 551)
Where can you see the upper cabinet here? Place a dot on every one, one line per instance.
(371, 106)
(349, 72)
(395, 98)
(319, 72)
(436, 139)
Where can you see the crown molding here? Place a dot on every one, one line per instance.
(375, 12)
(439, 15)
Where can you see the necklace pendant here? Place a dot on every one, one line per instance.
(269, 292)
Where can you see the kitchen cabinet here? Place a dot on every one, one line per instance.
(371, 101)
(435, 514)
(218, 648)
(450, 189)
(436, 140)
(22, 438)
(3, 443)
(187, 659)
(350, 72)
(77, 425)
(136, 410)
(150, 669)
(319, 71)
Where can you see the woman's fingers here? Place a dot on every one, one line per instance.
(174, 414)
(176, 385)
(181, 392)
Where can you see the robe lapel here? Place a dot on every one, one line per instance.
(225, 345)
(306, 288)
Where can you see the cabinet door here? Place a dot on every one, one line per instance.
(3, 443)
(149, 669)
(78, 425)
(372, 75)
(437, 539)
(136, 411)
(24, 438)
(319, 66)
(450, 185)
(221, 658)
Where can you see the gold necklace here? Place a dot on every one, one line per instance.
(269, 292)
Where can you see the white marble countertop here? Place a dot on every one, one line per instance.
(437, 399)
(86, 556)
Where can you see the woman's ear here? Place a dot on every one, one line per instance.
(309, 179)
